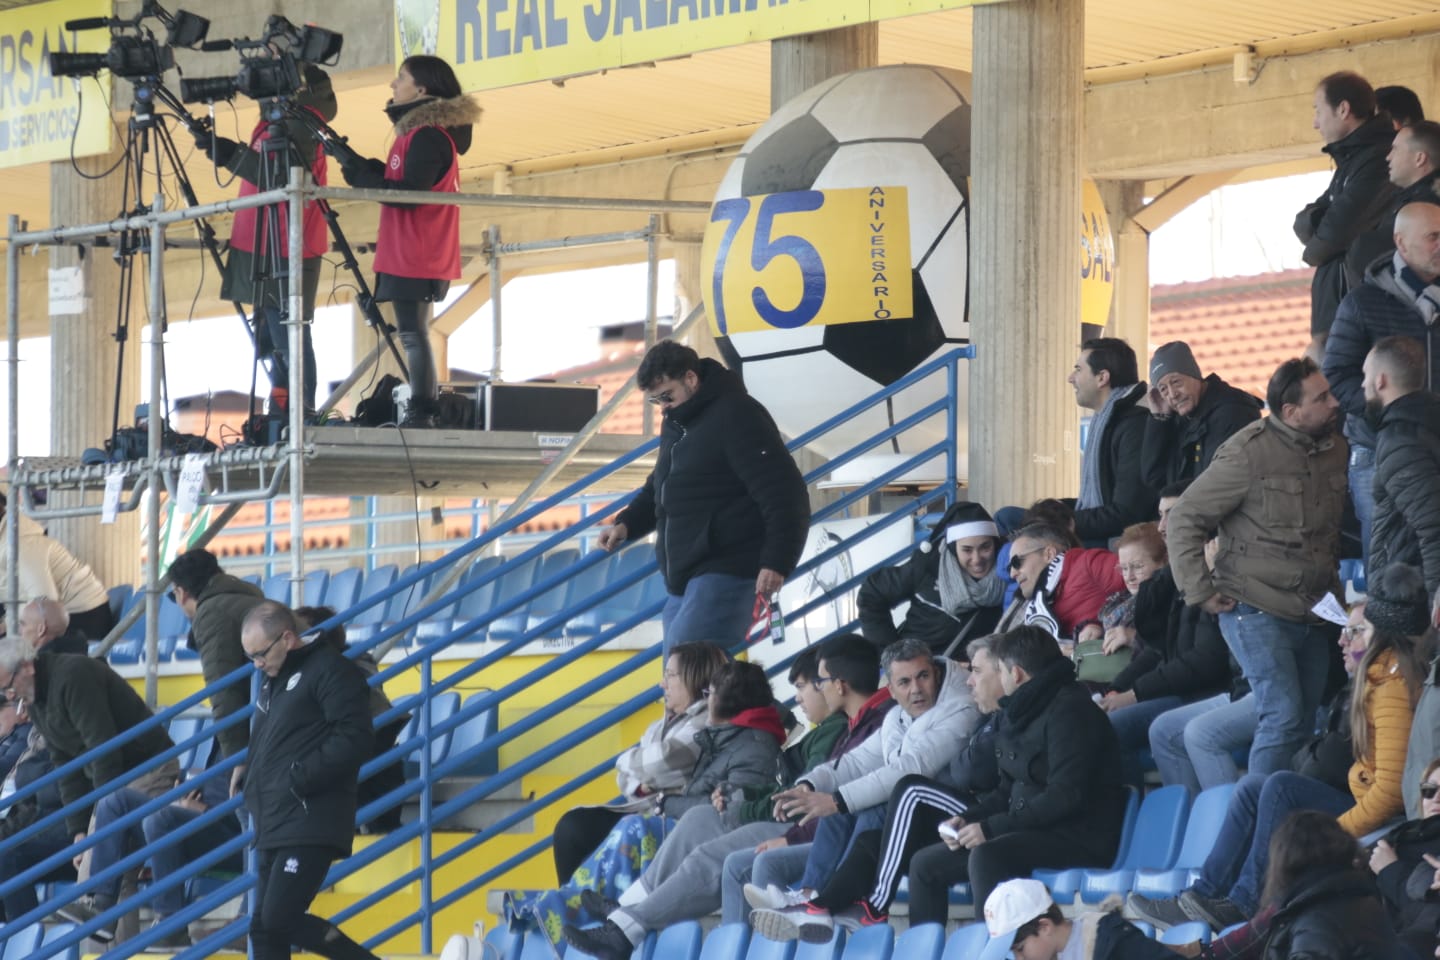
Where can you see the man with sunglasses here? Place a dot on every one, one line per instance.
(216, 604)
(1061, 588)
(726, 502)
(1275, 493)
(310, 734)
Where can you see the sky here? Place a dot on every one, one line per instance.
(552, 321)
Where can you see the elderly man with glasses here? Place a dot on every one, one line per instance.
(310, 734)
(726, 502)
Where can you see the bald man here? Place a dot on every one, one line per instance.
(1399, 297)
(46, 624)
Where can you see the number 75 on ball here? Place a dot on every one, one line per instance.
(808, 258)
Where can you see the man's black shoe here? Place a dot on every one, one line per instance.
(597, 904)
(83, 911)
(1162, 914)
(605, 942)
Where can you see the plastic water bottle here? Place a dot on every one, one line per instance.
(777, 622)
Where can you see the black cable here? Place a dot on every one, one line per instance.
(75, 133)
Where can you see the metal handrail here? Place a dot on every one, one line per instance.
(432, 813)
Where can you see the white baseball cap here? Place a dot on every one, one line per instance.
(1015, 903)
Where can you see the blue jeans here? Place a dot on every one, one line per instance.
(715, 607)
(1236, 866)
(1362, 492)
(111, 849)
(1286, 663)
(781, 866)
(1194, 745)
(172, 858)
(833, 836)
(1132, 727)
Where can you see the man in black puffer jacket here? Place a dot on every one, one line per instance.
(1358, 140)
(1059, 802)
(725, 499)
(1113, 492)
(1407, 459)
(1396, 299)
(311, 733)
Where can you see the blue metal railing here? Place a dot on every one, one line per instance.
(431, 813)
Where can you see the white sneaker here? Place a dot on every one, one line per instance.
(805, 922)
(771, 897)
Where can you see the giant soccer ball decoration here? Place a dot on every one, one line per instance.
(897, 126)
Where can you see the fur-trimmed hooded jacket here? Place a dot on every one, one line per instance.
(431, 152)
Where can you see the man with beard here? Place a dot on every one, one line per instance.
(1275, 492)
(1407, 458)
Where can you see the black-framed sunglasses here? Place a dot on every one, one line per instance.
(662, 398)
(1018, 559)
(1428, 790)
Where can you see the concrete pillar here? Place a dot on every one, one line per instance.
(1130, 308)
(798, 63)
(1025, 288)
(84, 357)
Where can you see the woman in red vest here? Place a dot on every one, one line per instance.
(417, 250)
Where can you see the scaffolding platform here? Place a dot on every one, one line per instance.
(346, 460)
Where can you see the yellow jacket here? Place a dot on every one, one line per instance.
(1375, 779)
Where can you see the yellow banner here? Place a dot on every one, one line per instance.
(38, 111)
(497, 43)
(1097, 257)
(808, 258)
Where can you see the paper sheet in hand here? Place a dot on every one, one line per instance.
(1327, 608)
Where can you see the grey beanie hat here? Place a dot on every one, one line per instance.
(1174, 357)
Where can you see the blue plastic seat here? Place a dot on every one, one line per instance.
(476, 604)
(870, 943)
(119, 597)
(925, 942)
(966, 942)
(127, 650)
(1206, 815)
(442, 706)
(277, 588)
(579, 587)
(313, 590)
(997, 948)
(620, 605)
(726, 942)
(54, 933)
(23, 942)
(763, 948)
(1159, 829)
(471, 732)
(1065, 884)
(514, 580)
(537, 947)
(366, 623)
(1186, 933)
(252, 578)
(829, 950)
(1143, 927)
(502, 943)
(343, 589)
(184, 727)
(679, 941)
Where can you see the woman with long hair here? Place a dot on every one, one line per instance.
(1381, 655)
(417, 250)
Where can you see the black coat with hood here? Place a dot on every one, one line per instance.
(1333, 915)
(1380, 242)
(725, 495)
(1378, 308)
(431, 151)
(1059, 763)
(1178, 448)
(1405, 884)
(311, 733)
(1353, 203)
(220, 612)
(1406, 526)
(1126, 497)
(916, 581)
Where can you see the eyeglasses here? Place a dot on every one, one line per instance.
(1018, 559)
(259, 658)
(1428, 790)
(1355, 630)
(819, 682)
(660, 399)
